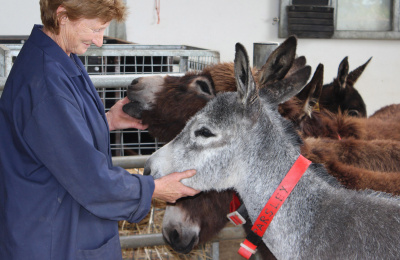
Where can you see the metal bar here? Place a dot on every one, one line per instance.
(150, 50)
(215, 250)
(120, 81)
(3, 57)
(128, 162)
(109, 81)
(135, 241)
(261, 52)
(2, 82)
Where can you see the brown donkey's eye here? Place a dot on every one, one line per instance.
(353, 112)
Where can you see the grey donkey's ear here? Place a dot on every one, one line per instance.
(246, 86)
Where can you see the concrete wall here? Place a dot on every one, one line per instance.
(218, 25)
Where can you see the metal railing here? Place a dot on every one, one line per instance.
(117, 59)
(112, 68)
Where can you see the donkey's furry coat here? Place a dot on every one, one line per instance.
(240, 141)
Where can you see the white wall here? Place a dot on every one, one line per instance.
(18, 17)
(218, 25)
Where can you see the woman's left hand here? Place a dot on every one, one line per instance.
(118, 119)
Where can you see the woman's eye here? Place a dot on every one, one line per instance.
(205, 132)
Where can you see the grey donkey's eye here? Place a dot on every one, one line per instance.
(205, 132)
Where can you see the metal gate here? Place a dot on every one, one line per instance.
(113, 66)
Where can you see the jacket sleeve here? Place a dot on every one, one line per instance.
(59, 136)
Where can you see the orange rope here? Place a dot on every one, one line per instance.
(158, 11)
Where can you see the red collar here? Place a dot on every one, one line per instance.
(270, 209)
(237, 211)
(235, 203)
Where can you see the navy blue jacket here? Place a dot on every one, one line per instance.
(60, 195)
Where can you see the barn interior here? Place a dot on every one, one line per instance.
(179, 36)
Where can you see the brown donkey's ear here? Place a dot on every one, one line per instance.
(311, 93)
(278, 63)
(283, 90)
(298, 63)
(355, 74)
(343, 72)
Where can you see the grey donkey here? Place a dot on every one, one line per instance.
(240, 141)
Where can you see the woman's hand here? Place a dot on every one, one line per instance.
(118, 119)
(169, 188)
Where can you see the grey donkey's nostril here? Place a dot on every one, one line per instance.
(147, 171)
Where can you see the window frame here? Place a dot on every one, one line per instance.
(394, 34)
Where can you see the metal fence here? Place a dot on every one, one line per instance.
(113, 66)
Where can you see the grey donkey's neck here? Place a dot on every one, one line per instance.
(319, 215)
(257, 192)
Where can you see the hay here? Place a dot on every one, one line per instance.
(151, 224)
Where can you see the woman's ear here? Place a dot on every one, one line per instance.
(61, 15)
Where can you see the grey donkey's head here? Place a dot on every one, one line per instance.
(233, 133)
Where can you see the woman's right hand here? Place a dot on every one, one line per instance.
(169, 188)
(117, 119)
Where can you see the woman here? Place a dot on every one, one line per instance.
(60, 196)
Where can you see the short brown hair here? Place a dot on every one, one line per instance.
(105, 10)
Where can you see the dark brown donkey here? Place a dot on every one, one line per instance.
(341, 94)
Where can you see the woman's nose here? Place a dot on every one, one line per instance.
(98, 39)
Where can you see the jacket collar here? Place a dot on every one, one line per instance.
(51, 48)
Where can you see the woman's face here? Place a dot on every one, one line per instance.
(77, 36)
